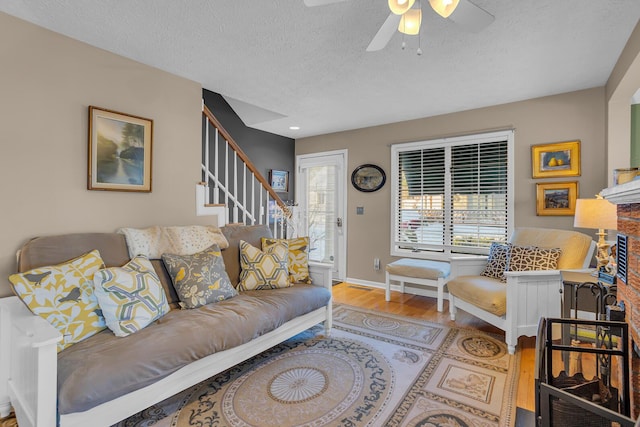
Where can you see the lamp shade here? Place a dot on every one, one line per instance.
(399, 7)
(596, 213)
(444, 8)
(410, 22)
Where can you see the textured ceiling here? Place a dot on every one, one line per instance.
(308, 66)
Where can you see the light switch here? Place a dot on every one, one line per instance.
(359, 210)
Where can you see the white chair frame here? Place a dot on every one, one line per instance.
(530, 296)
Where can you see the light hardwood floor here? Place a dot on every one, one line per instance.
(425, 308)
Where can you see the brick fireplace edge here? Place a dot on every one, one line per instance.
(627, 198)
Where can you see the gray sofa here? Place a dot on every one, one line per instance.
(109, 378)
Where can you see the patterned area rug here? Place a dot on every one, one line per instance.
(376, 369)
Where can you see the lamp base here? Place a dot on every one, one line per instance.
(602, 255)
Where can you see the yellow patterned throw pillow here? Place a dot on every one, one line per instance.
(298, 257)
(263, 270)
(131, 296)
(63, 295)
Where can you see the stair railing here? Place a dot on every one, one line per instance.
(240, 188)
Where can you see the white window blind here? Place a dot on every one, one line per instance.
(452, 195)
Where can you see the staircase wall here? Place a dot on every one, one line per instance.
(266, 150)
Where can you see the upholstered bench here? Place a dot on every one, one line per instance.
(419, 271)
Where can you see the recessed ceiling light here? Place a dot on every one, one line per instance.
(294, 127)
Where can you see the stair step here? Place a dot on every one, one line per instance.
(215, 205)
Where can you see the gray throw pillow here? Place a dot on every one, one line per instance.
(200, 278)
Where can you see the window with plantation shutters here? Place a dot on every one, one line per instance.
(452, 195)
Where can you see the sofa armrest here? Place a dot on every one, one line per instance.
(28, 361)
(471, 265)
(320, 274)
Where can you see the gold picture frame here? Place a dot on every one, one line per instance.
(556, 159)
(556, 198)
(119, 151)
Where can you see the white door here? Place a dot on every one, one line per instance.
(321, 192)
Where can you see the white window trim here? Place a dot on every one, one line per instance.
(458, 140)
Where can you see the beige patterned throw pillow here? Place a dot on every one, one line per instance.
(263, 270)
(298, 257)
(530, 258)
(154, 241)
(63, 295)
(497, 261)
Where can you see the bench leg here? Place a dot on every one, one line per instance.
(402, 286)
(452, 307)
(387, 284)
(440, 295)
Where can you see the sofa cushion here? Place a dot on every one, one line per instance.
(266, 269)
(131, 297)
(487, 293)
(530, 258)
(50, 250)
(200, 278)
(298, 257)
(63, 295)
(234, 233)
(105, 367)
(497, 261)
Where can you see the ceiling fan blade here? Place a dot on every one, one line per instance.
(384, 34)
(313, 3)
(471, 17)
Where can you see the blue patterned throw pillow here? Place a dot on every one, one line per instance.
(131, 297)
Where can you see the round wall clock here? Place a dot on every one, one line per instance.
(368, 178)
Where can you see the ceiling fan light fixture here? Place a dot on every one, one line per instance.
(444, 8)
(399, 7)
(410, 22)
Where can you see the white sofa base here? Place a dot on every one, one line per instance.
(28, 359)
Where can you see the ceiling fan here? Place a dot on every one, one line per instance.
(464, 13)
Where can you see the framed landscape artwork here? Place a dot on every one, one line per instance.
(557, 159)
(556, 198)
(119, 151)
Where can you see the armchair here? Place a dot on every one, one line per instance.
(517, 305)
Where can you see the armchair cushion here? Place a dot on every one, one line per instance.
(574, 246)
(487, 293)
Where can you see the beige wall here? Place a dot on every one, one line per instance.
(623, 83)
(47, 82)
(577, 115)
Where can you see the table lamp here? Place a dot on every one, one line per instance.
(599, 214)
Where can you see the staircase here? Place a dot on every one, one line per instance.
(232, 187)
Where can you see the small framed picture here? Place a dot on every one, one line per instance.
(557, 159)
(119, 151)
(556, 198)
(279, 180)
